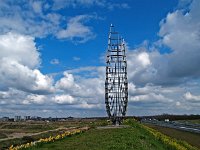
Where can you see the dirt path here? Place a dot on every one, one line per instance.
(20, 135)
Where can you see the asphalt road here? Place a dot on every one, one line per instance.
(176, 125)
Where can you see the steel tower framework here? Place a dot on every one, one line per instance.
(116, 84)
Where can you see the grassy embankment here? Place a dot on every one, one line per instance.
(137, 137)
(191, 138)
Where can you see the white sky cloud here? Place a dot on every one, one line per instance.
(191, 97)
(28, 18)
(23, 46)
(19, 71)
(32, 19)
(66, 83)
(41, 18)
(179, 32)
(90, 90)
(149, 98)
(60, 4)
(85, 105)
(144, 59)
(76, 30)
(34, 99)
(64, 99)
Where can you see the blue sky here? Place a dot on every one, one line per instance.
(132, 22)
(52, 56)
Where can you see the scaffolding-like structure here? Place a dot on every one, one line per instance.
(116, 84)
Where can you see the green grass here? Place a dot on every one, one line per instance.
(191, 138)
(135, 138)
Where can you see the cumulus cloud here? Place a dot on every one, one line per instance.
(85, 105)
(18, 71)
(87, 91)
(32, 18)
(22, 83)
(14, 74)
(15, 47)
(64, 99)
(41, 18)
(158, 83)
(150, 98)
(76, 30)
(34, 99)
(81, 87)
(190, 97)
(156, 78)
(28, 18)
(66, 83)
(143, 58)
(141, 69)
(179, 32)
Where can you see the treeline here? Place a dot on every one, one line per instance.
(162, 117)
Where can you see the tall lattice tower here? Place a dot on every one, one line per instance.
(116, 84)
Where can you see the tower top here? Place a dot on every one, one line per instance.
(112, 29)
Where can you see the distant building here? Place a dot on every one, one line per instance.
(11, 119)
(36, 118)
(17, 118)
(27, 117)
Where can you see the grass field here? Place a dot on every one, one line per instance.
(107, 139)
(135, 137)
(191, 138)
(17, 133)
